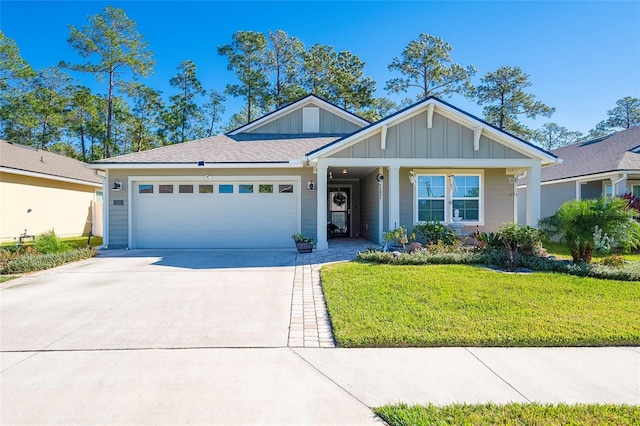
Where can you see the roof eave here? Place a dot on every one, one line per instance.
(196, 165)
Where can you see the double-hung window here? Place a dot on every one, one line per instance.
(440, 196)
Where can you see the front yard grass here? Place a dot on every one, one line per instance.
(376, 305)
(510, 414)
(6, 278)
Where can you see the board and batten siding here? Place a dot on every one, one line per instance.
(412, 139)
(119, 214)
(369, 220)
(291, 123)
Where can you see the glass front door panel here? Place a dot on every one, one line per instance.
(339, 210)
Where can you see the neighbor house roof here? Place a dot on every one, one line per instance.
(244, 148)
(616, 152)
(25, 160)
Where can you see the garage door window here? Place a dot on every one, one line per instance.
(145, 189)
(205, 189)
(185, 189)
(245, 189)
(165, 189)
(225, 189)
(285, 189)
(266, 189)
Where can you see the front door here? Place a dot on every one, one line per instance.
(339, 213)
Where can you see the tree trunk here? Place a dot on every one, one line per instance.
(107, 148)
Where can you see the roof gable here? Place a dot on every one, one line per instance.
(288, 119)
(482, 131)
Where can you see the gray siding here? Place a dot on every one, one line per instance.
(118, 215)
(291, 123)
(369, 208)
(592, 190)
(554, 195)
(498, 200)
(522, 206)
(411, 139)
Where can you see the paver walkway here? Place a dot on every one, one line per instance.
(310, 324)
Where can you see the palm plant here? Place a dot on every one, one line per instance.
(575, 222)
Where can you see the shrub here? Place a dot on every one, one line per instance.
(434, 231)
(423, 257)
(47, 243)
(614, 260)
(38, 262)
(575, 222)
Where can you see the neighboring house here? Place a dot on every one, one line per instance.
(605, 166)
(40, 191)
(310, 166)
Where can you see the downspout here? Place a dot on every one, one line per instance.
(614, 185)
(105, 209)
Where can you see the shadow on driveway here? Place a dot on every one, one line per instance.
(209, 258)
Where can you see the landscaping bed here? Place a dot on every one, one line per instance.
(376, 305)
(510, 414)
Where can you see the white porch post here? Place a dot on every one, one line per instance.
(321, 213)
(533, 195)
(394, 197)
(619, 185)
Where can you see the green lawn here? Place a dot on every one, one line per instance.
(562, 251)
(375, 305)
(510, 414)
(4, 278)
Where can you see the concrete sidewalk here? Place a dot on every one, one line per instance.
(299, 386)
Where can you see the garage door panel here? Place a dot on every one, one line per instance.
(214, 220)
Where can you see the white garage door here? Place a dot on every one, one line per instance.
(214, 215)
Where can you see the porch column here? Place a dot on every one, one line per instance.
(394, 197)
(533, 195)
(619, 185)
(321, 213)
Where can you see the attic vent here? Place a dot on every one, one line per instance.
(311, 120)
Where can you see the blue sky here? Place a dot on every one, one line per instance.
(581, 56)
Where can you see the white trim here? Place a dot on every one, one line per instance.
(448, 198)
(448, 112)
(49, 177)
(454, 163)
(311, 119)
(430, 115)
(106, 219)
(302, 102)
(477, 133)
(297, 163)
(588, 178)
(394, 197)
(321, 208)
(383, 138)
(381, 207)
(296, 180)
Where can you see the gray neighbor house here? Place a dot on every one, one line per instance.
(605, 166)
(310, 166)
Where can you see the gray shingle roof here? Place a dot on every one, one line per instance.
(24, 158)
(228, 149)
(607, 154)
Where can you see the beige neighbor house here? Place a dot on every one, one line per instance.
(40, 191)
(311, 166)
(605, 166)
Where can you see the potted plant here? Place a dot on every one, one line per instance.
(303, 244)
(397, 238)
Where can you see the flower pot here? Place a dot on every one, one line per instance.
(304, 246)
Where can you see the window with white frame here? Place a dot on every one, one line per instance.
(439, 196)
(431, 198)
(608, 191)
(465, 197)
(635, 190)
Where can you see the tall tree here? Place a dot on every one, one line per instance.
(626, 114)
(183, 111)
(247, 58)
(148, 107)
(426, 65)
(503, 94)
(50, 98)
(114, 39)
(240, 118)
(83, 111)
(284, 63)
(211, 112)
(380, 108)
(14, 70)
(318, 63)
(552, 135)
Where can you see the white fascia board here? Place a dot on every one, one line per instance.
(49, 177)
(303, 102)
(194, 165)
(429, 162)
(588, 178)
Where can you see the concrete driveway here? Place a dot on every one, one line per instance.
(153, 299)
